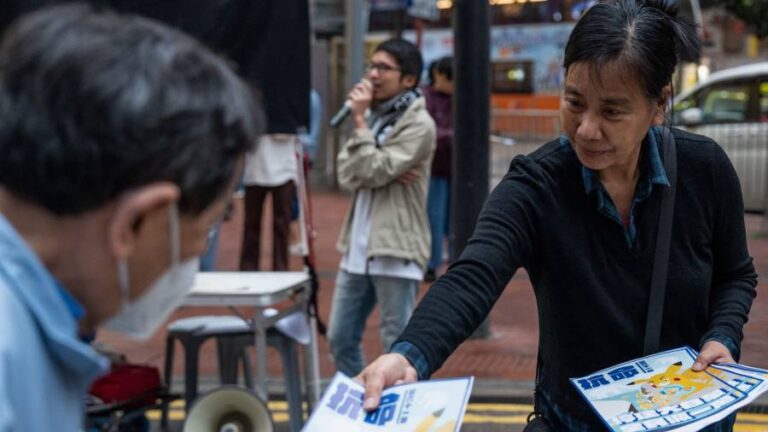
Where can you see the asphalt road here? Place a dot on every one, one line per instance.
(480, 417)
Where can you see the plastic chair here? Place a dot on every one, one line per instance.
(233, 335)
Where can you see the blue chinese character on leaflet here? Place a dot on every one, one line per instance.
(644, 366)
(346, 401)
(593, 382)
(623, 372)
(386, 411)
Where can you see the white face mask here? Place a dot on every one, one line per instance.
(140, 318)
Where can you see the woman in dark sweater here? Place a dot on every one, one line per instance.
(581, 215)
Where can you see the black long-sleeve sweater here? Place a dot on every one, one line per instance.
(591, 287)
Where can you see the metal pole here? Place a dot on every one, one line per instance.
(356, 15)
(356, 26)
(471, 110)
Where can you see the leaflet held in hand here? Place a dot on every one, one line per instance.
(661, 393)
(427, 406)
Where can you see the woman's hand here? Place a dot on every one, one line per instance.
(385, 371)
(712, 352)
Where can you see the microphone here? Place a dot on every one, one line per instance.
(341, 115)
(337, 119)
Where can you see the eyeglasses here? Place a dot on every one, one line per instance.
(381, 67)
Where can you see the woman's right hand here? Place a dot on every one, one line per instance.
(385, 371)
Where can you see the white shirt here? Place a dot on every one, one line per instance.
(273, 163)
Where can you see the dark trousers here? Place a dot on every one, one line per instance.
(281, 220)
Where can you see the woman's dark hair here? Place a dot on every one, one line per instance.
(443, 66)
(644, 37)
(94, 104)
(431, 73)
(406, 55)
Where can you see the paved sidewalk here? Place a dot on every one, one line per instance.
(503, 365)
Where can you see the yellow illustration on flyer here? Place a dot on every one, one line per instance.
(427, 406)
(661, 393)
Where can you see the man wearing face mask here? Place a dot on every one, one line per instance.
(122, 141)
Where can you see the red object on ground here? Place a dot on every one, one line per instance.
(136, 385)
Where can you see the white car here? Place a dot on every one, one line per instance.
(731, 107)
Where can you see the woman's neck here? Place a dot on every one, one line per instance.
(620, 182)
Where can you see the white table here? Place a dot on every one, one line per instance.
(263, 290)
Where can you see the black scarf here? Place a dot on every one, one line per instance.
(386, 114)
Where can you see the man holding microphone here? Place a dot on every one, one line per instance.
(385, 238)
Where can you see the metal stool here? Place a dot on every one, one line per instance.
(233, 335)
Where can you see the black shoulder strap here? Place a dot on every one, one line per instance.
(661, 260)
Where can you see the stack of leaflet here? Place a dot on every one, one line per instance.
(661, 392)
(427, 406)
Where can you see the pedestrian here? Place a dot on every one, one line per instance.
(116, 163)
(439, 96)
(271, 169)
(581, 215)
(384, 240)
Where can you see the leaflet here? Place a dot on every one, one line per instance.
(427, 406)
(661, 393)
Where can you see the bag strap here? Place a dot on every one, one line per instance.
(663, 239)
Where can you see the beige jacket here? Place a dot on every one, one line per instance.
(399, 225)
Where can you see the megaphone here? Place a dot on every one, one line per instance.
(229, 409)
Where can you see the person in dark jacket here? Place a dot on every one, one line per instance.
(439, 95)
(581, 216)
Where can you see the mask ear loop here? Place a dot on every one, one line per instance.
(123, 275)
(173, 222)
(124, 279)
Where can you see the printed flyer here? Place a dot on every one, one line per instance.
(427, 406)
(661, 393)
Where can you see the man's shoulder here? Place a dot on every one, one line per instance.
(418, 115)
(15, 335)
(11, 305)
(28, 299)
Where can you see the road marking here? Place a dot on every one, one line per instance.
(477, 413)
(750, 427)
(470, 418)
(751, 417)
(499, 407)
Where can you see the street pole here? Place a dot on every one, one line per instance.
(471, 111)
(356, 16)
(353, 66)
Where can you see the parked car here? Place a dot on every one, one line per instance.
(731, 107)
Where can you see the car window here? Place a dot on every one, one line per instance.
(726, 102)
(684, 104)
(763, 100)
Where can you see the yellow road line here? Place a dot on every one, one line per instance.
(752, 417)
(750, 427)
(178, 415)
(154, 415)
(499, 407)
(476, 418)
(273, 405)
(477, 413)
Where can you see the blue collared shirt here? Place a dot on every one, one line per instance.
(74, 306)
(40, 351)
(651, 173)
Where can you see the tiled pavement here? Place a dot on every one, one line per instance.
(505, 361)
